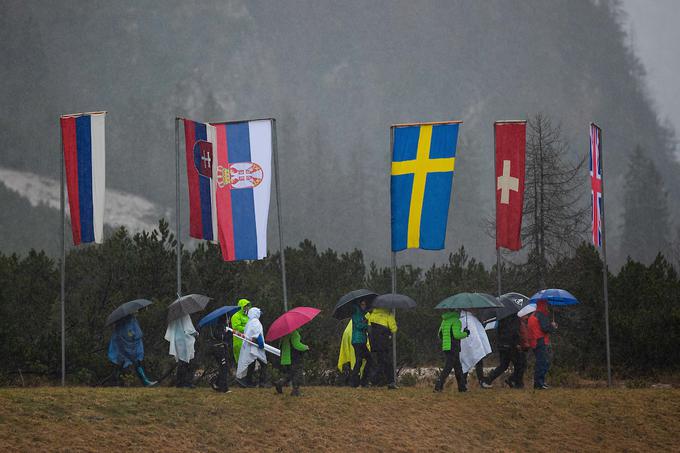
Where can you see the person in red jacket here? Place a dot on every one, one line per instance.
(540, 328)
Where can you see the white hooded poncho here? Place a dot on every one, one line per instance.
(180, 334)
(250, 352)
(475, 346)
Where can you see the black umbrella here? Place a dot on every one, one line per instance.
(126, 309)
(343, 309)
(187, 305)
(512, 303)
(393, 301)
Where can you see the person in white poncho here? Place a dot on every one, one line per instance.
(476, 346)
(182, 336)
(252, 353)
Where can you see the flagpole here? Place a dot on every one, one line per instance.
(498, 250)
(275, 153)
(63, 267)
(605, 276)
(394, 281)
(178, 245)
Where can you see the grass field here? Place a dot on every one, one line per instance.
(331, 418)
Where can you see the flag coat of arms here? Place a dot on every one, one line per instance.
(596, 182)
(510, 144)
(423, 162)
(83, 145)
(229, 177)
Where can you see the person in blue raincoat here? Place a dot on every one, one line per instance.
(126, 348)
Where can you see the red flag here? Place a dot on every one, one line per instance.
(510, 139)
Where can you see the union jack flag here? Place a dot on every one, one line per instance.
(596, 182)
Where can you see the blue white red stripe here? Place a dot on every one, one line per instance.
(83, 144)
(229, 201)
(596, 182)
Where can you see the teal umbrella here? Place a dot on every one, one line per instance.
(468, 300)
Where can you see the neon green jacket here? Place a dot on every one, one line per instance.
(450, 325)
(292, 339)
(383, 317)
(238, 323)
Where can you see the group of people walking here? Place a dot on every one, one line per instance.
(366, 349)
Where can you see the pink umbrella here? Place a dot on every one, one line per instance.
(291, 320)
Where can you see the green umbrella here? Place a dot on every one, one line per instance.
(468, 300)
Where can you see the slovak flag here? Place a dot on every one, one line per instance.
(229, 174)
(83, 143)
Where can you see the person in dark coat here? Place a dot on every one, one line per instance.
(540, 328)
(382, 325)
(359, 339)
(510, 351)
(221, 345)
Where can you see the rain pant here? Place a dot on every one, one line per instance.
(126, 347)
(180, 334)
(250, 352)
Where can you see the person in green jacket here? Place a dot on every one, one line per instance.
(450, 333)
(238, 323)
(291, 362)
(359, 338)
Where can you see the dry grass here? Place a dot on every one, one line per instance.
(330, 419)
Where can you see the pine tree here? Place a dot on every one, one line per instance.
(645, 230)
(554, 218)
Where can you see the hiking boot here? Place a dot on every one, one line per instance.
(392, 386)
(437, 388)
(484, 385)
(509, 383)
(295, 392)
(279, 387)
(462, 389)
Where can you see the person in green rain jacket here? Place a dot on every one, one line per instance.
(291, 362)
(238, 323)
(359, 338)
(450, 333)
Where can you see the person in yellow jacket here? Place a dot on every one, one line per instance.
(238, 323)
(347, 357)
(382, 326)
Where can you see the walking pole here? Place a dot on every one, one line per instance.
(177, 211)
(275, 153)
(63, 268)
(394, 284)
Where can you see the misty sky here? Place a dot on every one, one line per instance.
(655, 34)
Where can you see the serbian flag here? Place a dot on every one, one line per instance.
(510, 140)
(596, 182)
(83, 143)
(229, 173)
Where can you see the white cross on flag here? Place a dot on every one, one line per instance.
(510, 139)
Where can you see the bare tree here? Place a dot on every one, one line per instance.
(555, 216)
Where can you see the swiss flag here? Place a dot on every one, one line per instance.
(510, 139)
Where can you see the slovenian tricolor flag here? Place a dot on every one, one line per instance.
(229, 177)
(83, 143)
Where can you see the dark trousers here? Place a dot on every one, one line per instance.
(519, 363)
(251, 371)
(185, 374)
(293, 373)
(221, 382)
(361, 353)
(452, 362)
(382, 370)
(542, 366)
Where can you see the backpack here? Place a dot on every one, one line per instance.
(524, 341)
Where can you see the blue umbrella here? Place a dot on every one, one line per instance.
(556, 297)
(214, 315)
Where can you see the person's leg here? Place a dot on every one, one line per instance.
(376, 371)
(369, 366)
(296, 376)
(540, 366)
(389, 370)
(461, 377)
(358, 355)
(479, 371)
(249, 375)
(504, 361)
(139, 368)
(262, 381)
(448, 366)
(520, 365)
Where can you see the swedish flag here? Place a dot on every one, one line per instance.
(423, 162)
